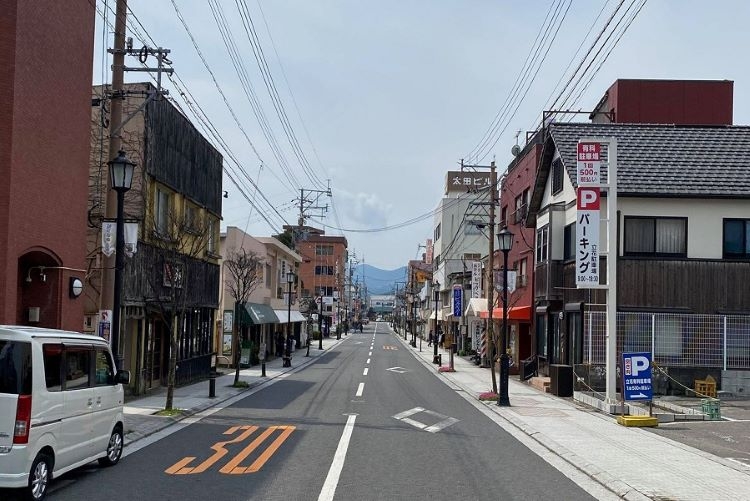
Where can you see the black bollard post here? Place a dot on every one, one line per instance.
(212, 386)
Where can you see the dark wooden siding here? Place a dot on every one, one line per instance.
(180, 157)
(697, 286)
(147, 267)
(689, 285)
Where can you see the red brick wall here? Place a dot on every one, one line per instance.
(306, 249)
(520, 177)
(49, 98)
(697, 102)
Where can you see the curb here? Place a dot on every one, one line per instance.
(134, 436)
(603, 478)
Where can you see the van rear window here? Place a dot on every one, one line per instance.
(15, 367)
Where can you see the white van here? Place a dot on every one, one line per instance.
(60, 405)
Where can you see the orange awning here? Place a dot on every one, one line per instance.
(514, 313)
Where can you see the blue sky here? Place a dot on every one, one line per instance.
(392, 94)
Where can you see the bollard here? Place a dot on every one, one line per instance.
(212, 386)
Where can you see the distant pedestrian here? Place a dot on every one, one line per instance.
(429, 339)
(442, 339)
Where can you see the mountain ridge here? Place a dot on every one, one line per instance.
(378, 280)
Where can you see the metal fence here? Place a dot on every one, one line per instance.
(674, 339)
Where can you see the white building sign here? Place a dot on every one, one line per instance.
(476, 279)
(588, 164)
(587, 237)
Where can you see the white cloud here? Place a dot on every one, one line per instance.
(361, 210)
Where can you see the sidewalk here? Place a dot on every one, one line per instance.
(141, 422)
(631, 462)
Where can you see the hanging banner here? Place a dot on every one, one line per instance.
(109, 232)
(498, 279)
(131, 239)
(476, 279)
(587, 237)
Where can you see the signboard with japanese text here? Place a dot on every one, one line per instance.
(466, 181)
(588, 164)
(476, 279)
(636, 376)
(587, 237)
(457, 301)
(429, 250)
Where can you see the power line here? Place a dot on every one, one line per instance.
(205, 124)
(270, 85)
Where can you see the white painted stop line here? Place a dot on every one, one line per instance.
(334, 473)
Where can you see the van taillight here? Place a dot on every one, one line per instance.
(23, 420)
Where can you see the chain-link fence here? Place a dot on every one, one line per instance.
(674, 339)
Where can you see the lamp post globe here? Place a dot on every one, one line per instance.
(505, 243)
(121, 178)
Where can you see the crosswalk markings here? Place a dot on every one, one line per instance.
(233, 467)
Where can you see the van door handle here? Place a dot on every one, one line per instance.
(91, 401)
(98, 400)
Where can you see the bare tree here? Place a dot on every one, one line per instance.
(182, 241)
(244, 271)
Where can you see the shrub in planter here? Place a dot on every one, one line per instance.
(445, 368)
(488, 395)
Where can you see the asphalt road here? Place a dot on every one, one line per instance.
(365, 421)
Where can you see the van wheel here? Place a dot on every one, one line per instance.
(114, 449)
(39, 477)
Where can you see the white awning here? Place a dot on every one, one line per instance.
(295, 315)
(475, 306)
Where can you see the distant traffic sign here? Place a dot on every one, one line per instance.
(636, 376)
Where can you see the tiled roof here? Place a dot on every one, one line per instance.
(668, 160)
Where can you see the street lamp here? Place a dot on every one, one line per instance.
(505, 242)
(121, 176)
(436, 297)
(289, 282)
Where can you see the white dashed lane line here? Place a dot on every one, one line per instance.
(364, 373)
(360, 389)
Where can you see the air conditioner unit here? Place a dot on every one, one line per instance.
(33, 314)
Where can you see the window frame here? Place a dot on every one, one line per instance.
(162, 203)
(542, 247)
(569, 242)
(745, 239)
(558, 177)
(654, 253)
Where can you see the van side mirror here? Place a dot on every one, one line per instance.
(122, 377)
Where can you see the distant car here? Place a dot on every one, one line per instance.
(379, 319)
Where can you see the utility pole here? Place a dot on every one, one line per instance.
(112, 265)
(307, 203)
(107, 293)
(490, 276)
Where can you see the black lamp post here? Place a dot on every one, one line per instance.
(505, 242)
(121, 176)
(436, 297)
(289, 282)
(320, 323)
